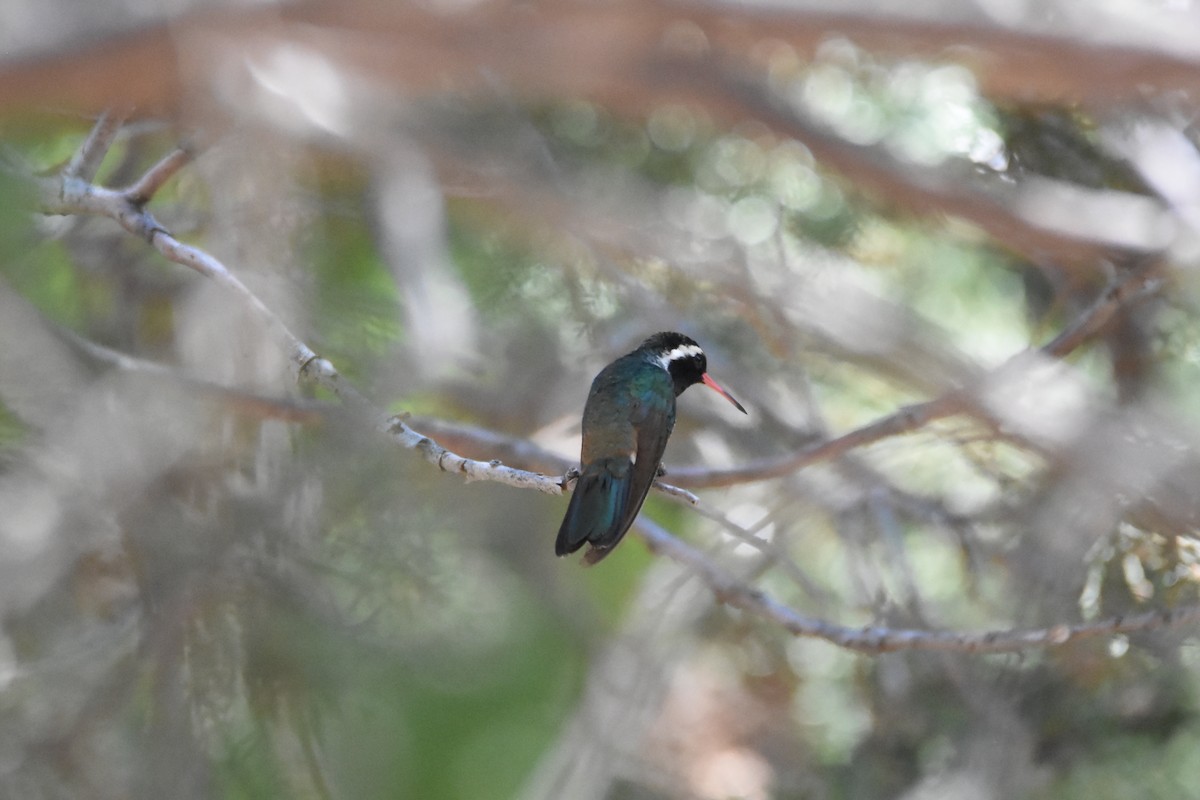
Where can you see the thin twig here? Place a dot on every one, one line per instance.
(773, 554)
(1139, 283)
(904, 420)
(87, 159)
(70, 196)
(148, 185)
(676, 493)
(876, 639)
(251, 404)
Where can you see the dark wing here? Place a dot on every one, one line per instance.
(653, 430)
(653, 418)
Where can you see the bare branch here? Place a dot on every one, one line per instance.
(676, 493)
(470, 468)
(473, 439)
(1137, 284)
(86, 160)
(251, 404)
(70, 196)
(1134, 286)
(880, 639)
(148, 185)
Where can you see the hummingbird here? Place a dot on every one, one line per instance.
(627, 419)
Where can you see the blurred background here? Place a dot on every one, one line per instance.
(215, 583)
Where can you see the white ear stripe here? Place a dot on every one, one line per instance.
(681, 352)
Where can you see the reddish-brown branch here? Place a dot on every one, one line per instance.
(1127, 290)
(634, 58)
(612, 52)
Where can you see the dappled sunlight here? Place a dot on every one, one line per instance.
(300, 88)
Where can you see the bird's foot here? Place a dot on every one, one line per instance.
(569, 477)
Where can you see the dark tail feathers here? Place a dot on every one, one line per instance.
(596, 509)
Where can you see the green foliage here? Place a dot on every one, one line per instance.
(12, 432)
(510, 282)
(357, 312)
(1137, 765)
(42, 271)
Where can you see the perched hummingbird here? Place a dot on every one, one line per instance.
(627, 420)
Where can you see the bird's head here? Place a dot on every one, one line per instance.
(685, 361)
